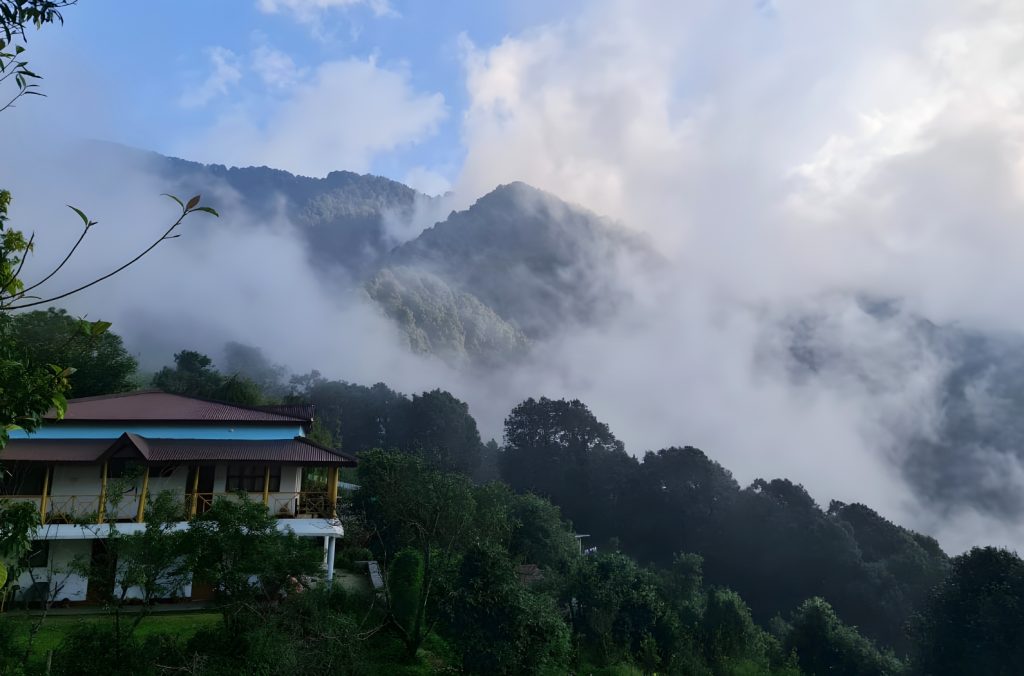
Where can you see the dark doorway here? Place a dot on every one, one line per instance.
(101, 573)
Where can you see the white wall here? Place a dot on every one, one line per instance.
(63, 583)
(75, 489)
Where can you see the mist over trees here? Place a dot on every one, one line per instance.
(692, 573)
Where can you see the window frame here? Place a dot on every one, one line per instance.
(249, 478)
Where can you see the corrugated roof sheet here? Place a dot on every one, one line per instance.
(54, 450)
(154, 405)
(297, 451)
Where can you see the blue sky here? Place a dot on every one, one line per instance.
(146, 73)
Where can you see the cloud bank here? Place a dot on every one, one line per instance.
(789, 158)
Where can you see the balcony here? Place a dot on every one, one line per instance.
(85, 509)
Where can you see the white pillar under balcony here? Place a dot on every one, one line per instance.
(331, 541)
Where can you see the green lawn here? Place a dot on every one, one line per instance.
(184, 624)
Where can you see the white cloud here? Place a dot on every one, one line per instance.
(311, 10)
(340, 117)
(276, 69)
(778, 157)
(427, 181)
(225, 72)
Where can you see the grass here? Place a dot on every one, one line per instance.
(184, 624)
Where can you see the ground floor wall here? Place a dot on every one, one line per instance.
(61, 575)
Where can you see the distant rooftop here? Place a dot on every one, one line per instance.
(158, 406)
(297, 451)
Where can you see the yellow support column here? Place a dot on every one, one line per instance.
(103, 492)
(195, 494)
(46, 495)
(266, 485)
(141, 514)
(332, 491)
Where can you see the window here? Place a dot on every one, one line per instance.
(124, 468)
(249, 478)
(39, 555)
(22, 479)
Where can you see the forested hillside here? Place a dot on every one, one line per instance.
(687, 572)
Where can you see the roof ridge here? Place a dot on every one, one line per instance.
(267, 410)
(119, 395)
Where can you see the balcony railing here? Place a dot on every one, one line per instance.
(60, 509)
(296, 505)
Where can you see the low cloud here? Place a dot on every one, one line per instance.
(788, 160)
(341, 116)
(225, 72)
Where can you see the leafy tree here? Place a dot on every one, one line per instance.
(236, 543)
(356, 417)
(250, 363)
(136, 568)
(193, 375)
(405, 580)
(677, 502)
(409, 504)
(238, 390)
(439, 427)
(729, 632)
(618, 605)
(824, 645)
(100, 362)
(540, 534)
(559, 450)
(500, 627)
(973, 621)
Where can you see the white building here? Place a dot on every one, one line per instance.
(197, 449)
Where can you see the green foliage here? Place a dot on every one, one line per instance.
(440, 429)
(973, 621)
(237, 540)
(250, 363)
(434, 425)
(18, 520)
(27, 389)
(405, 580)
(193, 375)
(540, 534)
(618, 605)
(824, 645)
(559, 450)
(309, 633)
(410, 505)
(86, 650)
(502, 628)
(100, 362)
(728, 631)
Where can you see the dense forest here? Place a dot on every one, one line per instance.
(677, 568)
(552, 550)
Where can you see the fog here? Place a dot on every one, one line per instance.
(814, 156)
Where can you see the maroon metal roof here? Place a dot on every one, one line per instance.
(154, 405)
(54, 450)
(299, 451)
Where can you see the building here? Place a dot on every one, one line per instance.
(149, 441)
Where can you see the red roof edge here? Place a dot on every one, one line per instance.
(348, 459)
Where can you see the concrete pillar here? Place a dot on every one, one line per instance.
(330, 557)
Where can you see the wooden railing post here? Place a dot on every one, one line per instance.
(195, 494)
(103, 492)
(266, 485)
(141, 513)
(46, 491)
(332, 492)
